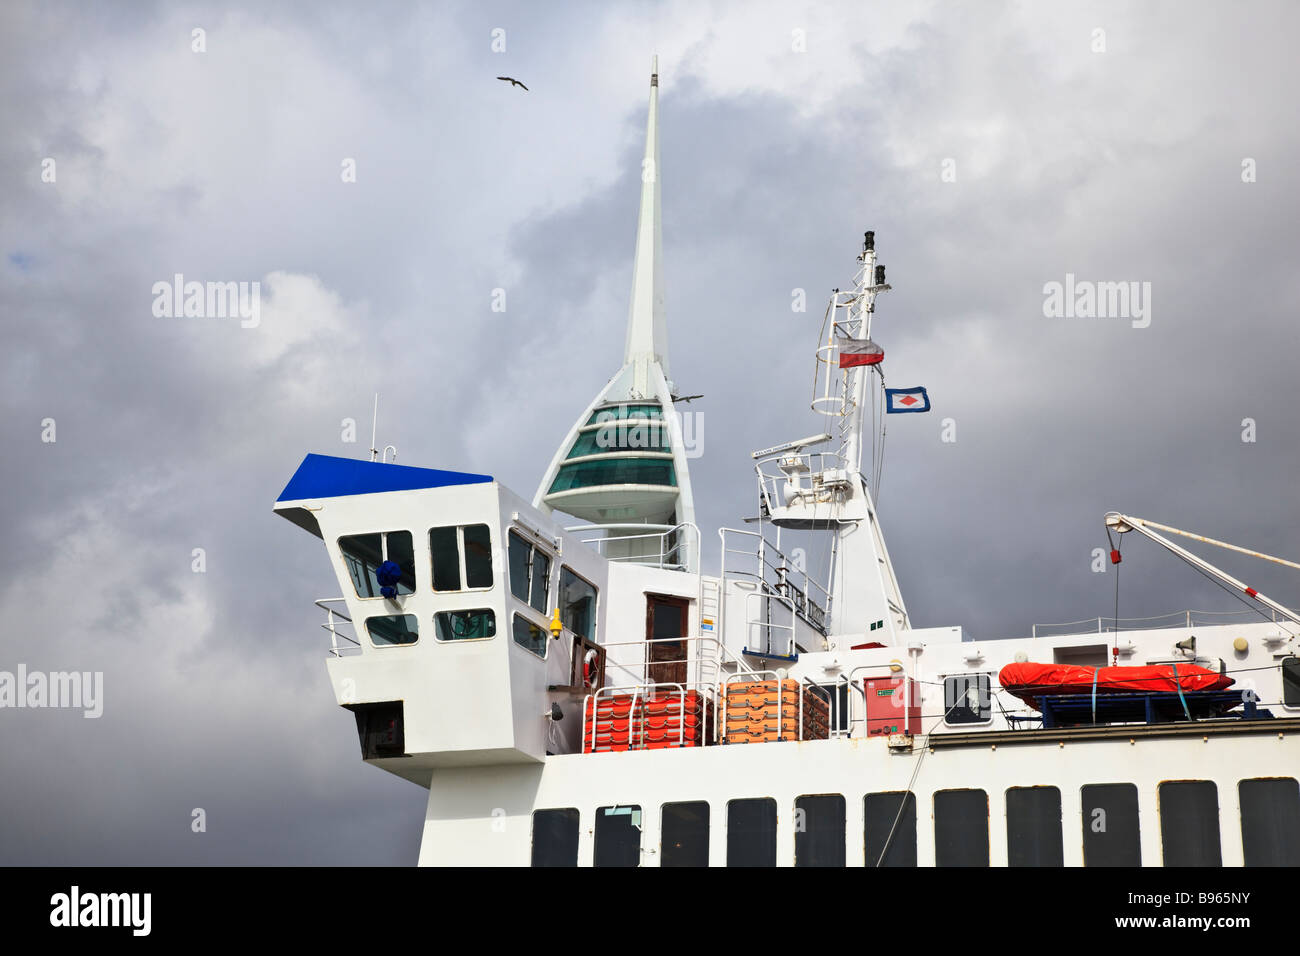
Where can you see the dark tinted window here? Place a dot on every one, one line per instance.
(967, 699)
(1291, 681)
(577, 604)
(961, 828)
(614, 471)
(880, 811)
(1111, 836)
(1270, 821)
(529, 635)
(819, 830)
(555, 837)
(618, 413)
(478, 556)
(685, 838)
(1034, 827)
(464, 625)
(444, 547)
(541, 580)
(392, 629)
(520, 556)
(1189, 823)
(364, 553)
(618, 836)
(751, 832)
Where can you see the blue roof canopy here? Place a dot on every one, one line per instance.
(324, 476)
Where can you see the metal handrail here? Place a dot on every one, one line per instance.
(591, 711)
(1186, 619)
(768, 626)
(662, 533)
(701, 660)
(785, 581)
(331, 626)
(802, 689)
(771, 478)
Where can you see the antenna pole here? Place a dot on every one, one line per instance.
(374, 428)
(857, 325)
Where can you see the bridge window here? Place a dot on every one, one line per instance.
(890, 835)
(819, 830)
(444, 548)
(967, 699)
(529, 635)
(447, 544)
(478, 556)
(961, 828)
(464, 625)
(1291, 681)
(685, 834)
(388, 629)
(614, 471)
(1189, 823)
(577, 604)
(555, 837)
(751, 832)
(1111, 836)
(618, 836)
(364, 553)
(1270, 821)
(1034, 827)
(530, 572)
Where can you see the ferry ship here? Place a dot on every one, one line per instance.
(572, 687)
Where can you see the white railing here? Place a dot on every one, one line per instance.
(1181, 619)
(775, 639)
(705, 665)
(705, 670)
(766, 565)
(341, 644)
(673, 547)
(819, 476)
(802, 688)
(641, 697)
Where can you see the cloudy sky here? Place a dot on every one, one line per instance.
(994, 148)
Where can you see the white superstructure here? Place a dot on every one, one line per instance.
(582, 692)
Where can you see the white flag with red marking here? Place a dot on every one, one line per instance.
(855, 352)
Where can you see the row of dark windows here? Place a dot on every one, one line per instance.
(1188, 811)
(460, 558)
(529, 575)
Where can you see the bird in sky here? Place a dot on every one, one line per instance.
(512, 80)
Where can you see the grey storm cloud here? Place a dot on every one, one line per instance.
(177, 434)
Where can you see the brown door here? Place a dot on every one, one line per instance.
(665, 619)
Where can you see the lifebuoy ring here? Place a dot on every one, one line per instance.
(590, 672)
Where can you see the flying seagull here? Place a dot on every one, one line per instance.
(511, 79)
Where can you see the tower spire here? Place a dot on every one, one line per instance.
(647, 333)
(605, 472)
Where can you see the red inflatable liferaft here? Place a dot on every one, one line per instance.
(1030, 681)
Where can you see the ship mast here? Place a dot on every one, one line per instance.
(860, 306)
(826, 491)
